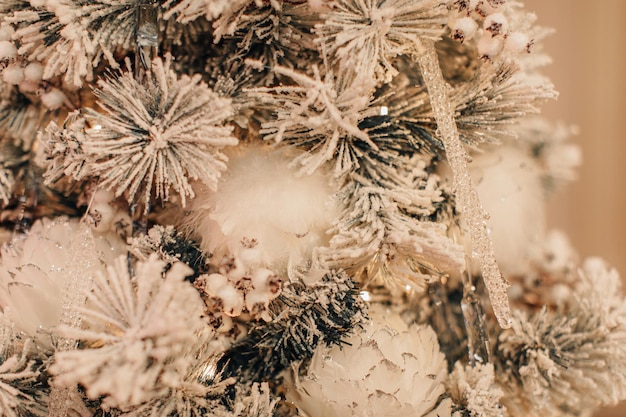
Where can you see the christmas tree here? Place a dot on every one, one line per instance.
(290, 208)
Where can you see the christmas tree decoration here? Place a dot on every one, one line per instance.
(288, 208)
(36, 273)
(163, 131)
(142, 319)
(20, 391)
(474, 391)
(387, 369)
(289, 217)
(70, 38)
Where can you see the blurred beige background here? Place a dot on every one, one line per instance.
(589, 71)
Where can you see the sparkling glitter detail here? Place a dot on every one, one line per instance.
(467, 197)
(82, 260)
(6, 336)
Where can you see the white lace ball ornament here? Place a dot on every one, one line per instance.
(383, 371)
(34, 273)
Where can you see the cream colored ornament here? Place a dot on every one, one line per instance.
(387, 370)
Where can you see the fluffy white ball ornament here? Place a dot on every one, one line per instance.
(387, 370)
(262, 211)
(508, 181)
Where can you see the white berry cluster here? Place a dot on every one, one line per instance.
(240, 289)
(486, 22)
(106, 215)
(26, 75)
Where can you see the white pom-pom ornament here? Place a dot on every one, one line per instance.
(496, 24)
(488, 46)
(508, 181)
(263, 210)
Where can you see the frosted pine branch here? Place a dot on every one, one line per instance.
(600, 288)
(6, 184)
(558, 156)
(499, 96)
(474, 391)
(186, 11)
(303, 317)
(194, 391)
(385, 227)
(156, 134)
(269, 33)
(321, 116)
(363, 36)
(258, 402)
(65, 156)
(21, 392)
(171, 246)
(71, 37)
(572, 361)
(486, 107)
(20, 118)
(134, 345)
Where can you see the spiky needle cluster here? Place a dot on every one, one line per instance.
(355, 31)
(548, 356)
(134, 346)
(304, 317)
(20, 391)
(152, 135)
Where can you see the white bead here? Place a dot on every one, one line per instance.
(211, 284)
(53, 99)
(257, 303)
(102, 217)
(234, 269)
(496, 23)
(261, 278)
(561, 293)
(33, 72)
(517, 42)
(251, 257)
(103, 196)
(13, 74)
(464, 28)
(122, 224)
(232, 300)
(6, 33)
(489, 46)
(7, 50)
